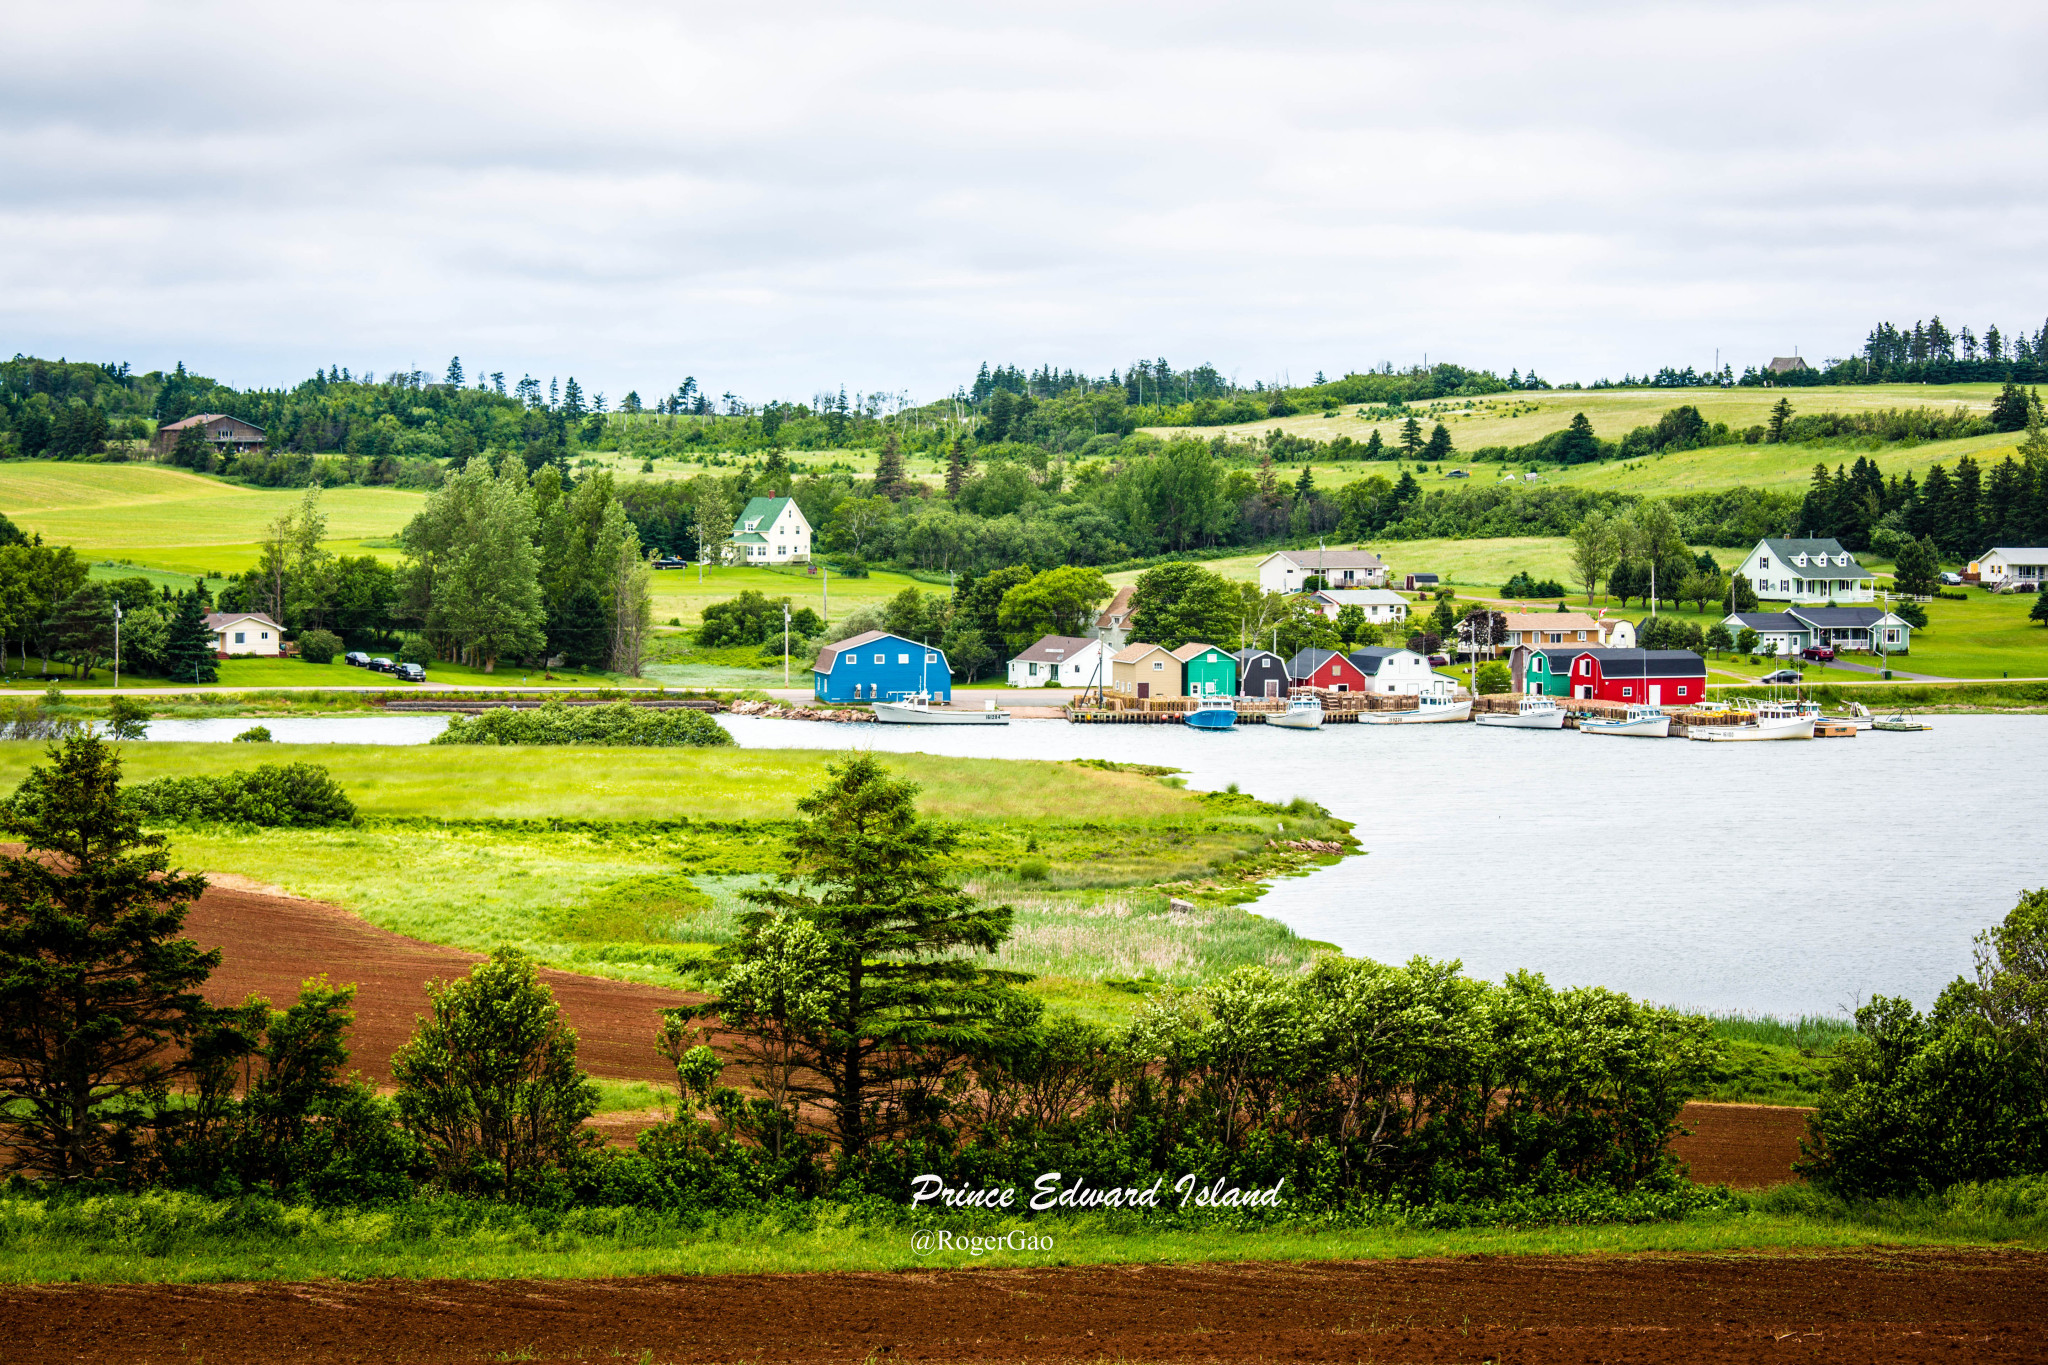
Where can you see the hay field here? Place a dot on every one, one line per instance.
(172, 519)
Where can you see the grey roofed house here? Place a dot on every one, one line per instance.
(1053, 649)
(1785, 364)
(1761, 621)
(1368, 660)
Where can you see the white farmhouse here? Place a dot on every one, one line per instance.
(244, 632)
(2024, 567)
(771, 531)
(1811, 571)
(1382, 606)
(1285, 571)
(1063, 661)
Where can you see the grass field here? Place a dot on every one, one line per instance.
(181, 1238)
(172, 519)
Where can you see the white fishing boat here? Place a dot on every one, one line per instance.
(1645, 722)
(1432, 710)
(916, 708)
(1533, 712)
(1304, 712)
(1770, 720)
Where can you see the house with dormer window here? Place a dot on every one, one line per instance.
(1810, 571)
(771, 531)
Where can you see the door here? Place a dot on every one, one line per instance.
(1656, 694)
(1272, 688)
(1144, 691)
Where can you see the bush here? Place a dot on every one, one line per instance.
(1522, 585)
(319, 646)
(1033, 870)
(620, 723)
(255, 734)
(300, 794)
(416, 650)
(1494, 678)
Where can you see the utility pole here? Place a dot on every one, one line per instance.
(117, 646)
(785, 644)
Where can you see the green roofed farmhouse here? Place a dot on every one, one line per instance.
(771, 531)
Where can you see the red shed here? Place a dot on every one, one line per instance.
(1661, 677)
(1325, 668)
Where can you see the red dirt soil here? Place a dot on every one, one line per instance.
(1863, 1307)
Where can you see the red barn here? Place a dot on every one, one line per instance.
(1660, 677)
(1325, 668)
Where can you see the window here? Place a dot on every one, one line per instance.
(238, 637)
(933, 658)
(902, 658)
(1031, 670)
(1582, 635)
(1763, 561)
(1627, 692)
(264, 635)
(881, 658)
(1681, 689)
(1158, 667)
(849, 658)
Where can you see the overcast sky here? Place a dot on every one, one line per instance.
(778, 199)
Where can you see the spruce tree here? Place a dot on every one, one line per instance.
(98, 994)
(1781, 420)
(1375, 448)
(889, 481)
(1411, 436)
(1439, 447)
(956, 468)
(897, 1001)
(189, 646)
(1577, 445)
(1305, 485)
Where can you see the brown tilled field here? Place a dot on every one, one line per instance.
(1860, 1307)
(270, 943)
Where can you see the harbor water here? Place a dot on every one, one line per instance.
(1781, 878)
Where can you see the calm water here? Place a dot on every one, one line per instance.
(1784, 878)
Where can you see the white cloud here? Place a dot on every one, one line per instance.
(782, 198)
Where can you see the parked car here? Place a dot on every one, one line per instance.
(355, 658)
(1818, 653)
(1785, 675)
(1953, 580)
(1439, 660)
(380, 664)
(1457, 474)
(411, 673)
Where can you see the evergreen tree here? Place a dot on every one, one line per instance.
(1781, 420)
(189, 650)
(1375, 448)
(1577, 445)
(1741, 595)
(2009, 410)
(1304, 486)
(898, 1002)
(98, 993)
(889, 480)
(572, 399)
(1411, 436)
(1915, 569)
(956, 468)
(455, 371)
(1439, 447)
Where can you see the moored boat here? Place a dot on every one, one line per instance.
(1304, 712)
(1900, 724)
(1642, 722)
(1770, 720)
(1533, 712)
(915, 708)
(1214, 713)
(1430, 710)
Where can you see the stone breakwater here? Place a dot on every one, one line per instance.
(778, 711)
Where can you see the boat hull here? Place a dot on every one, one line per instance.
(1298, 720)
(1213, 718)
(1533, 720)
(892, 713)
(1652, 727)
(1799, 728)
(1428, 715)
(1897, 727)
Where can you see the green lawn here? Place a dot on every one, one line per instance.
(173, 519)
(244, 674)
(680, 595)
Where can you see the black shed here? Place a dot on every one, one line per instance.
(1260, 673)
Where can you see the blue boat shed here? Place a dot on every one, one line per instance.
(875, 666)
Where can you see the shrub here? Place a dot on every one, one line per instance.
(1033, 870)
(1494, 678)
(319, 646)
(416, 650)
(1522, 585)
(255, 734)
(295, 794)
(620, 723)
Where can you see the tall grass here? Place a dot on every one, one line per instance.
(1812, 1033)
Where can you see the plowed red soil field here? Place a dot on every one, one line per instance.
(270, 943)
(1864, 1307)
